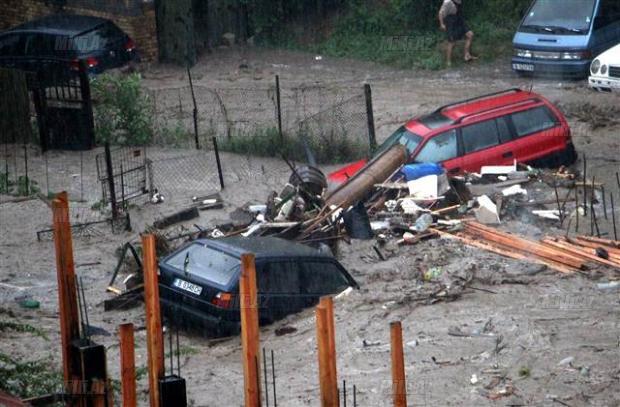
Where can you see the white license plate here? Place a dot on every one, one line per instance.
(523, 67)
(184, 285)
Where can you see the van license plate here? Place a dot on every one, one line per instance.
(523, 67)
(184, 285)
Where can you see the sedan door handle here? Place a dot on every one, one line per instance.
(508, 154)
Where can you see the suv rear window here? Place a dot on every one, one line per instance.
(207, 263)
(532, 121)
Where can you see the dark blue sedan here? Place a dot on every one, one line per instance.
(95, 42)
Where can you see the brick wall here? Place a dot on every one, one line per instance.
(138, 22)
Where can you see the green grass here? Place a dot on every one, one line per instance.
(28, 378)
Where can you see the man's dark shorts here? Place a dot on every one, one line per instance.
(456, 30)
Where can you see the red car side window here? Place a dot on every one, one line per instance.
(440, 148)
(532, 121)
(479, 136)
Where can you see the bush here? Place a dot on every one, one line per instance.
(327, 149)
(123, 113)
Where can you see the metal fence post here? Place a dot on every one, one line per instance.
(372, 139)
(219, 163)
(279, 107)
(195, 111)
(110, 175)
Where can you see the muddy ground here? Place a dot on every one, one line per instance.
(523, 319)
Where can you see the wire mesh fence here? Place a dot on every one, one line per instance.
(266, 121)
(181, 174)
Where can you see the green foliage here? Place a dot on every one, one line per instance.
(403, 33)
(18, 327)
(28, 379)
(23, 187)
(327, 149)
(123, 112)
(5, 183)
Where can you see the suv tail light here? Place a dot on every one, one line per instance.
(222, 300)
(130, 45)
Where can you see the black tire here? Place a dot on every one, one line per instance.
(569, 155)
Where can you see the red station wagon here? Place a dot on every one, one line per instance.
(493, 129)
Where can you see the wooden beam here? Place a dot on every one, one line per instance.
(67, 287)
(585, 253)
(399, 383)
(128, 364)
(154, 336)
(328, 303)
(326, 381)
(248, 303)
(524, 245)
(504, 251)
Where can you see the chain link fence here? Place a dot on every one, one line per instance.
(331, 121)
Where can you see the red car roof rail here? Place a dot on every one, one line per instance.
(522, 102)
(511, 90)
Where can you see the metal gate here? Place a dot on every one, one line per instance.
(62, 100)
(123, 173)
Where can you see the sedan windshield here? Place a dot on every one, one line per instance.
(560, 16)
(402, 136)
(207, 263)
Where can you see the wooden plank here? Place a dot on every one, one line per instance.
(249, 330)
(67, 287)
(579, 252)
(523, 245)
(605, 242)
(326, 380)
(128, 364)
(399, 383)
(506, 252)
(328, 303)
(154, 336)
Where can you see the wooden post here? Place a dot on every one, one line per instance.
(399, 385)
(249, 330)
(128, 365)
(67, 288)
(154, 337)
(328, 384)
(328, 303)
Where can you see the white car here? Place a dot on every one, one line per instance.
(605, 71)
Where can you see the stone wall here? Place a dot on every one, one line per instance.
(135, 17)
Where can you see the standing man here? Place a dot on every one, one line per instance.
(451, 21)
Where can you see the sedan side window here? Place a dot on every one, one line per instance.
(480, 136)
(9, 46)
(279, 278)
(321, 278)
(532, 121)
(440, 148)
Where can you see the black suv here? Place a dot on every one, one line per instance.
(98, 42)
(199, 283)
